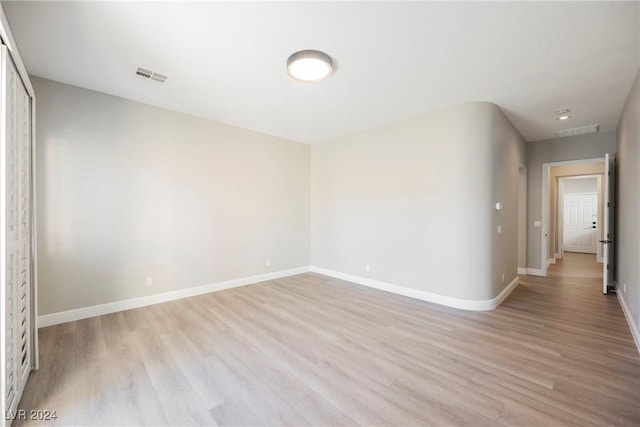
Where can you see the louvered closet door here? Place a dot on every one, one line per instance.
(16, 233)
(23, 132)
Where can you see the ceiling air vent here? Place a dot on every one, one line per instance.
(152, 75)
(577, 131)
(158, 77)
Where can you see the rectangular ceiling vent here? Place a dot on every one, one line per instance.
(152, 75)
(577, 131)
(159, 77)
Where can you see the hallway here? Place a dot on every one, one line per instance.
(578, 265)
(570, 299)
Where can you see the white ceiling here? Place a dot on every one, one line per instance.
(226, 61)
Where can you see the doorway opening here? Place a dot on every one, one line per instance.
(585, 210)
(579, 213)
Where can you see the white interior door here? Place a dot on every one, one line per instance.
(608, 223)
(580, 222)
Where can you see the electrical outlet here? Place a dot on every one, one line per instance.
(503, 277)
(367, 267)
(149, 281)
(499, 229)
(624, 288)
(268, 263)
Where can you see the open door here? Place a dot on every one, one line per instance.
(608, 224)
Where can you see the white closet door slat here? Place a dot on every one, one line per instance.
(24, 238)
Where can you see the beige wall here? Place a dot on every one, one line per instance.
(627, 235)
(415, 201)
(128, 191)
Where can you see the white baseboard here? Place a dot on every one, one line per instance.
(632, 325)
(551, 261)
(522, 271)
(112, 307)
(557, 256)
(505, 292)
(465, 304)
(536, 272)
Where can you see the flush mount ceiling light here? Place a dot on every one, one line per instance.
(563, 114)
(309, 66)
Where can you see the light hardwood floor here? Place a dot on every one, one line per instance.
(311, 350)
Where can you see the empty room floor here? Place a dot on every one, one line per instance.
(311, 350)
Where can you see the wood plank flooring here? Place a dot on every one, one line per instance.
(311, 350)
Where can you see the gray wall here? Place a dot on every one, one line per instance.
(628, 202)
(415, 200)
(128, 191)
(556, 150)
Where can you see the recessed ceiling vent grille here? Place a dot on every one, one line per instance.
(578, 131)
(152, 75)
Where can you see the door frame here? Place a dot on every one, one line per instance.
(522, 218)
(560, 204)
(6, 38)
(546, 205)
(608, 232)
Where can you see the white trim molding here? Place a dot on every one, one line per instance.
(536, 272)
(551, 261)
(7, 38)
(632, 325)
(113, 307)
(465, 304)
(522, 271)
